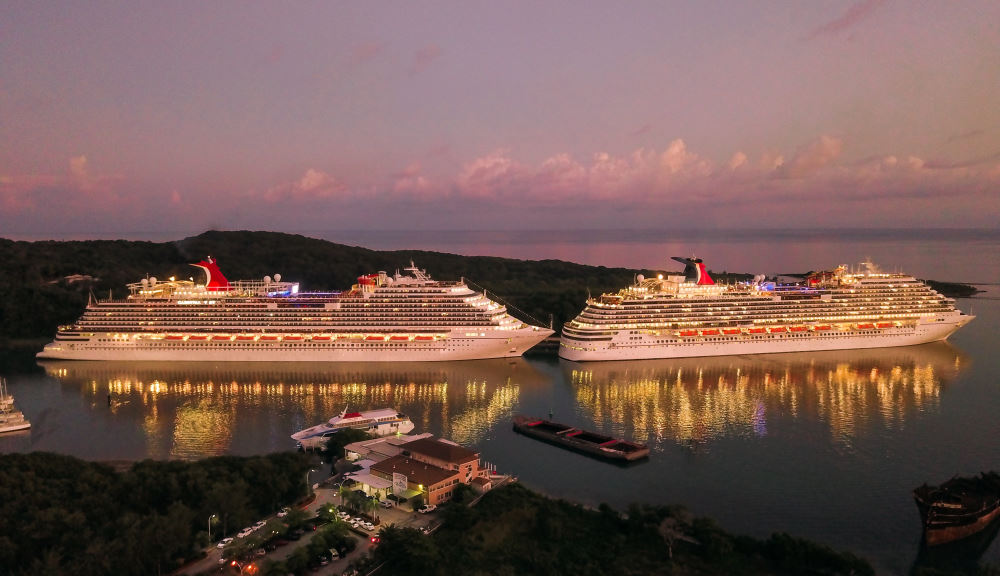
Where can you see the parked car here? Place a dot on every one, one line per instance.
(283, 512)
(224, 542)
(385, 503)
(427, 508)
(245, 532)
(259, 525)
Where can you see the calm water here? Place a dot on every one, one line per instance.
(825, 445)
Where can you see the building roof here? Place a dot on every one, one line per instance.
(416, 472)
(383, 447)
(440, 450)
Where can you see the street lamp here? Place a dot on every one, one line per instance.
(308, 485)
(210, 529)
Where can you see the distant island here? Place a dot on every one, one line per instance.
(48, 283)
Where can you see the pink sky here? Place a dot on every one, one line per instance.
(118, 119)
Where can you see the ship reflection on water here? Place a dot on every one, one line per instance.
(693, 401)
(192, 410)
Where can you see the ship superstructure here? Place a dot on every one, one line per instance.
(403, 317)
(689, 315)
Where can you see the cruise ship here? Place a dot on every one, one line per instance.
(690, 315)
(403, 317)
(381, 422)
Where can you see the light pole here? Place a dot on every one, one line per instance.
(308, 485)
(210, 530)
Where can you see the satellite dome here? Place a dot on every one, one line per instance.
(640, 278)
(267, 279)
(387, 281)
(152, 281)
(277, 277)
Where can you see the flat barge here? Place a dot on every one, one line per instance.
(586, 442)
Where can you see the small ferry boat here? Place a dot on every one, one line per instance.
(381, 422)
(958, 508)
(11, 419)
(591, 443)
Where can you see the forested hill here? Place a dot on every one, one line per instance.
(46, 284)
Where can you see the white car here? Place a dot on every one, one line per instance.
(368, 525)
(259, 525)
(427, 508)
(283, 513)
(245, 532)
(224, 542)
(385, 503)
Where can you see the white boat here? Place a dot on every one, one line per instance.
(689, 315)
(404, 317)
(381, 422)
(11, 419)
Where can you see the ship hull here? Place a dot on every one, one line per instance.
(102, 347)
(622, 348)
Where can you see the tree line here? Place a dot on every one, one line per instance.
(62, 515)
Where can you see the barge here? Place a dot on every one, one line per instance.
(583, 441)
(958, 508)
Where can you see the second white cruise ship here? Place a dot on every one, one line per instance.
(690, 315)
(404, 317)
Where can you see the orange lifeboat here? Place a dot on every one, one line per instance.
(270, 337)
(246, 337)
(323, 337)
(865, 326)
(423, 337)
(294, 337)
(823, 327)
(222, 337)
(798, 328)
(375, 338)
(688, 333)
(399, 337)
(712, 332)
(198, 337)
(885, 324)
(175, 337)
(730, 331)
(777, 329)
(757, 330)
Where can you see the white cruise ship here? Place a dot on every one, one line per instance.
(689, 315)
(404, 317)
(381, 422)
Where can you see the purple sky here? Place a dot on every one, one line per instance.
(138, 117)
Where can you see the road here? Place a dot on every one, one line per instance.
(403, 517)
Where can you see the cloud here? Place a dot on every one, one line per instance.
(313, 185)
(364, 53)
(810, 158)
(644, 129)
(410, 180)
(424, 57)
(854, 15)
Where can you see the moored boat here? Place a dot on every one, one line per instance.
(591, 443)
(379, 422)
(11, 419)
(958, 508)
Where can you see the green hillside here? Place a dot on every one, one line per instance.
(47, 284)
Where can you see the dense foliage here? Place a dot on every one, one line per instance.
(61, 515)
(514, 531)
(48, 283)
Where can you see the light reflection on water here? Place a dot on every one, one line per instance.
(192, 410)
(694, 401)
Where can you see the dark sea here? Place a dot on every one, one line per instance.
(825, 445)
